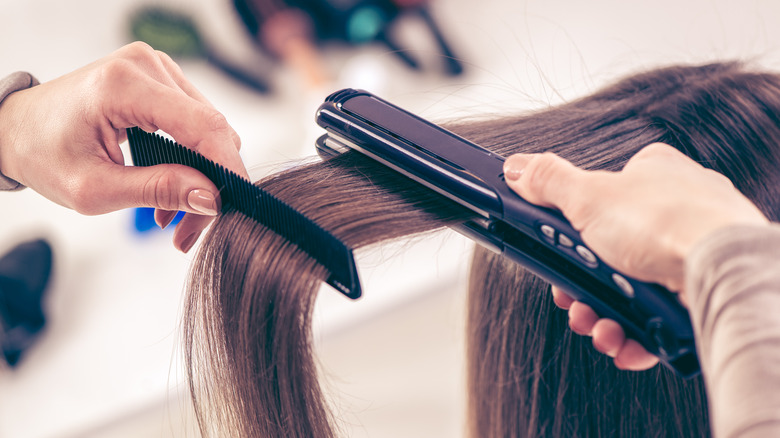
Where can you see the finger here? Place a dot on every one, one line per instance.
(110, 140)
(561, 299)
(543, 179)
(194, 124)
(163, 69)
(582, 318)
(683, 297)
(154, 69)
(169, 187)
(608, 337)
(163, 218)
(178, 77)
(634, 357)
(152, 104)
(140, 57)
(189, 230)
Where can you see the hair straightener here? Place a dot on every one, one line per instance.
(539, 239)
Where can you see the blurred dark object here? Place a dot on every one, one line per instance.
(24, 275)
(176, 34)
(288, 34)
(353, 22)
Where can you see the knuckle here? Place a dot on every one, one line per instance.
(658, 146)
(160, 192)
(163, 56)
(138, 49)
(168, 63)
(657, 149)
(116, 71)
(719, 178)
(138, 56)
(82, 197)
(216, 121)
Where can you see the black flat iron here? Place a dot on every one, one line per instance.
(539, 239)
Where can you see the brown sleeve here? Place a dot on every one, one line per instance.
(733, 286)
(9, 84)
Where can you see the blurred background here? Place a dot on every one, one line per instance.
(107, 363)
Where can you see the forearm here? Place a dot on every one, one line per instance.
(14, 82)
(733, 286)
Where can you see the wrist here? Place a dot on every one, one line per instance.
(7, 128)
(737, 228)
(10, 84)
(719, 250)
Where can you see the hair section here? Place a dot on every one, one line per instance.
(247, 324)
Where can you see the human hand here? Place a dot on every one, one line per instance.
(642, 221)
(61, 139)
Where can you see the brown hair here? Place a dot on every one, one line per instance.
(247, 330)
(250, 294)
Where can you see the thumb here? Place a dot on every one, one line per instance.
(166, 186)
(543, 179)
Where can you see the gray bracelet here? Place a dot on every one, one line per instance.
(9, 84)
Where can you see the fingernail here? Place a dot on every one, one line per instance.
(164, 218)
(203, 201)
(514, 166)
(189, 242)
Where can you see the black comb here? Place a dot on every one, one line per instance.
(240, 194)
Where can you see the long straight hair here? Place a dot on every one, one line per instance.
(250, 295)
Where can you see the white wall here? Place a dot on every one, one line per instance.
(109, 357)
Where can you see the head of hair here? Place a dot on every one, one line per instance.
(250, 295)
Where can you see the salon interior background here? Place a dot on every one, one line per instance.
(108, 365)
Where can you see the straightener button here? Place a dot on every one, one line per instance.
(565, 241)
(587, 256)
(548, 231)
(624, 285)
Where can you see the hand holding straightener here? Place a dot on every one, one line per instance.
(643, 221)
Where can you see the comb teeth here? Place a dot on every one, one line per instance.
(237, 192)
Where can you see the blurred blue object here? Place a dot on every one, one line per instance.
(144, 219)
